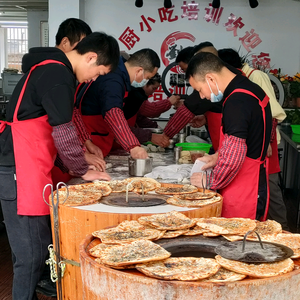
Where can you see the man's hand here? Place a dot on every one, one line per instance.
(198, 121)
(92, 175)
(269, 151)
(138, 152)
(210, 160)
(198, 179)
(160, 140)
(174, 99)
(93, 149)
(96, 161)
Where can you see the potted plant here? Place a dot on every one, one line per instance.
(293, 117)
(295, 88)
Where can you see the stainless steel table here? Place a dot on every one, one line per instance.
(291, 166)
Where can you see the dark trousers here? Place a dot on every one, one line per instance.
(277, 209)
(29, 237)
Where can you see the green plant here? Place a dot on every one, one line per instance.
(295, 89)
(293, 116)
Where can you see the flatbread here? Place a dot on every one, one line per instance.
(180, 268)
(119, 186)
(191, 203)
(224, 275)
(77, 196)
(177, 190)
(198, 195)
(148, 184)
(97, 250)
(196, 230)
(210, 234)
(262, 270)
(174, 233)
(119, 236)
(266, 231)
(291, 240)
(227, 225)
(136, 252)
(169, 221)
(130, 225)
(101, 186)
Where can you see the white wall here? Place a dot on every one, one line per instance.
(60, 10)
(276, 21)
(34, 26)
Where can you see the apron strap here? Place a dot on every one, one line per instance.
(80, 94)
(263, 103)
(45, 62)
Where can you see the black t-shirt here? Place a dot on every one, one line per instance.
(200, 106)
(242, 116)
(133, 102)
(50, 90)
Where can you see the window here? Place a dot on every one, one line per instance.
(17, 46)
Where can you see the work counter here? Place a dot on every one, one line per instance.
(291, 166)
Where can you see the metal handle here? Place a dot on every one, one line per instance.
(134, 180)
(244, 240)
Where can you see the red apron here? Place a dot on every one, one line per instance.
(274, 166)
(214, 121)
(34, 152)
(102, 135)
(240, 196)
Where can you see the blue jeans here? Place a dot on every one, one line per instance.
(29, 237)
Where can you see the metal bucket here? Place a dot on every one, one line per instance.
(139, 167)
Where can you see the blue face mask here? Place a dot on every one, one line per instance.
(213, 97)
(139, 84)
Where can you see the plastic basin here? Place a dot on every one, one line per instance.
(194, 146)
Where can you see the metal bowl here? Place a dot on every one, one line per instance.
(139, 166)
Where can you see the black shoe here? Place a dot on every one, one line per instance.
(47, 288)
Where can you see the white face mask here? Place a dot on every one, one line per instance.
(139, 84)
(213, 97)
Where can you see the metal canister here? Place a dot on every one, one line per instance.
(181, 138)
(177, 153)
(187, 130)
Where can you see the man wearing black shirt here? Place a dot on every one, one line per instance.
(38, 126)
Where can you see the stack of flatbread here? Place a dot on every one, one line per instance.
(267, 230)
(168, 221)
(196, 199)
(129, 245)
(125, 255)
(82, 194)
(127, 232)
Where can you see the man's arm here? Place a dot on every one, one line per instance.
(232, 155)
(119, 126)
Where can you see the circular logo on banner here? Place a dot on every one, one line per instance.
(172, 45)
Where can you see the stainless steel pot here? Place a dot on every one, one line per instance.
(200, 133)
(139, 167)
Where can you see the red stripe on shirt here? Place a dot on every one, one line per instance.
(181, 118)
(232, 155)
(118, 124)
(273, 132)
(69, 148)
(154, 109)
(80, 127)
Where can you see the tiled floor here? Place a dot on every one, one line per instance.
(6, 273)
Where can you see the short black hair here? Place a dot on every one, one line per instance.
(200, 46)
(154, 79)
(145, 58)
(203, 63)
(73, 29)
(231, 57)
(185, 55)
(106, 47)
